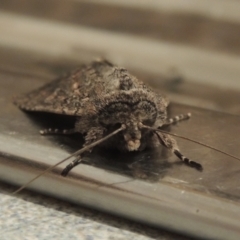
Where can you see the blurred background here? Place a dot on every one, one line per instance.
(188, 48)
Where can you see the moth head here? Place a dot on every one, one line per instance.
(133, 116)
(132, 135)
(130, 110)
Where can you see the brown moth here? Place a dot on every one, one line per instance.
(111, 106)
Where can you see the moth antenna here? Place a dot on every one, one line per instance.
(191, 140)
(72, 155)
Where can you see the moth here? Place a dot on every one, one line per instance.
(112, 108)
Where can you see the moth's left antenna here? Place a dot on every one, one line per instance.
(72, 155)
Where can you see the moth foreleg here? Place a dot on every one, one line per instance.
(176, 119)
(187, 161)
(94, 134)
(170, 143)
(71, 165)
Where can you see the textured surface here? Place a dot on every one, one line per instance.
(33, 216)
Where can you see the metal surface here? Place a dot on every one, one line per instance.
(147, 186)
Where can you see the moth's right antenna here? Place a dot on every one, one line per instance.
(72, 155)
(191, 140)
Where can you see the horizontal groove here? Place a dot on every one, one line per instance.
(180, 26)
(66, 40)
(217, 9)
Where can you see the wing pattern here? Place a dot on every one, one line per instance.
(68, 95)
(83, 89)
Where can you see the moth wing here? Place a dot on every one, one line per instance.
(69, 95)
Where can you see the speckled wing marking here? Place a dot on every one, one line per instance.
(88, 89)
(69, 95)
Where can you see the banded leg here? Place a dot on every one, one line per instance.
(51, 131)
(71, 165)
(187, 161)
(176, 119)
(93, 135)
(171, 144)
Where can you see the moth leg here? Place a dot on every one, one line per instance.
(51, 131)
(170, 143)
(71, 165)
(176, 119)
(94, 134)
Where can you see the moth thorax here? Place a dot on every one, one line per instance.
(125, 112)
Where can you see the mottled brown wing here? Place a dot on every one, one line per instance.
(68, 95)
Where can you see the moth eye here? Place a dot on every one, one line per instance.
(117, 125)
